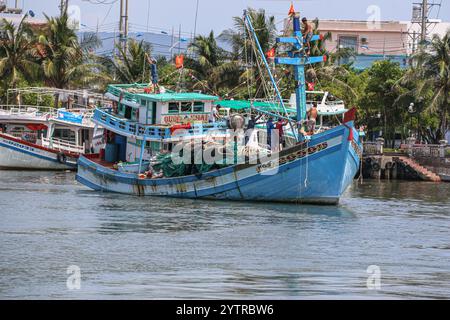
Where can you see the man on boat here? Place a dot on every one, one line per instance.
(279, 126)
(312, 116)
(251, 126)
(307, 34)
(154, 74)
(270, 127)
(214, 115)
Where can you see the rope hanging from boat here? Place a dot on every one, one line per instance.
(255, 43)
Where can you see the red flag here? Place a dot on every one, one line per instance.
(271, 53)
(350, 115)
(291, 10)
(179, 61)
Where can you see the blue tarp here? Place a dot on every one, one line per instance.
(69, 117)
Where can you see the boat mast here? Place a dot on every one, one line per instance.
(299, 71)
(249, 24)
(298, 59)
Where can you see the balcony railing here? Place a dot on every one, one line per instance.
(63, 145)
(129, 128)
(27, 110)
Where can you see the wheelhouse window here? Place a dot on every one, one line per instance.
(199, 106)
(174, 107)
(186, 107)
(64, 134)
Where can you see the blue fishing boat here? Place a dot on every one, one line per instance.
(148, 127)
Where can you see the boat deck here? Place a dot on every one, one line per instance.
(96, 158)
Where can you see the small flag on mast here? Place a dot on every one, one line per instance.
(271, 53)
(291, 9)
(179, 61)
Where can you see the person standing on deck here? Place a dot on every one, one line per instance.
(312, 116)
(270, 127)
(307, 34)
(279, 126)
(251, 126)
(214, 115)
(154, 74)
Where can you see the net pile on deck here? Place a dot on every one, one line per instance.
(223, 155)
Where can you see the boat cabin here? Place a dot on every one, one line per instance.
(137, 115)
(73, 132)
(133, 103)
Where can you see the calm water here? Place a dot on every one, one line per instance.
(145, 248)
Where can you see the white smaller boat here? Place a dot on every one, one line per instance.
(43, 138)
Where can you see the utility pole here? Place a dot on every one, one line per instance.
(179, 39)
(123, 24)
(126, 26)
(196, 19)
(421, 18)
(423, 31)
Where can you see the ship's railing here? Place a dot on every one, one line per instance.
(127, 127)
(29, 110)
(62, 145)
(197, 129)
(118, 92)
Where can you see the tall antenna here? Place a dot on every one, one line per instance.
(196, 19)
(421, 17)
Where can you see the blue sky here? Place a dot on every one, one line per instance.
(217, 14)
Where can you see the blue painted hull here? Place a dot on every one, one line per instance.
(319, 175)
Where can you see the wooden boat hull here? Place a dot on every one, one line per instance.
(18, 154)
(319, 175)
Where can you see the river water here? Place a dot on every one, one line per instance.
(127, 247)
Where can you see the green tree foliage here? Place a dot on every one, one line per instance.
(212, 65)
(429, 84)
(380, 97)
(130, 65)
(61, 53)
(17, 62)
(55, 56)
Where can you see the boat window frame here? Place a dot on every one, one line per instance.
(186, 103)
(196, 104)
(173, 111)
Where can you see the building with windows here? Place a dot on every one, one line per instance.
(370, 41)
(380, 38)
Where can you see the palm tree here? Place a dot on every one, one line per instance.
(241, 41)
(130, 65)
(430, 75)
(213, 66)
(16, 59)
(244, 49)
(61, 53)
